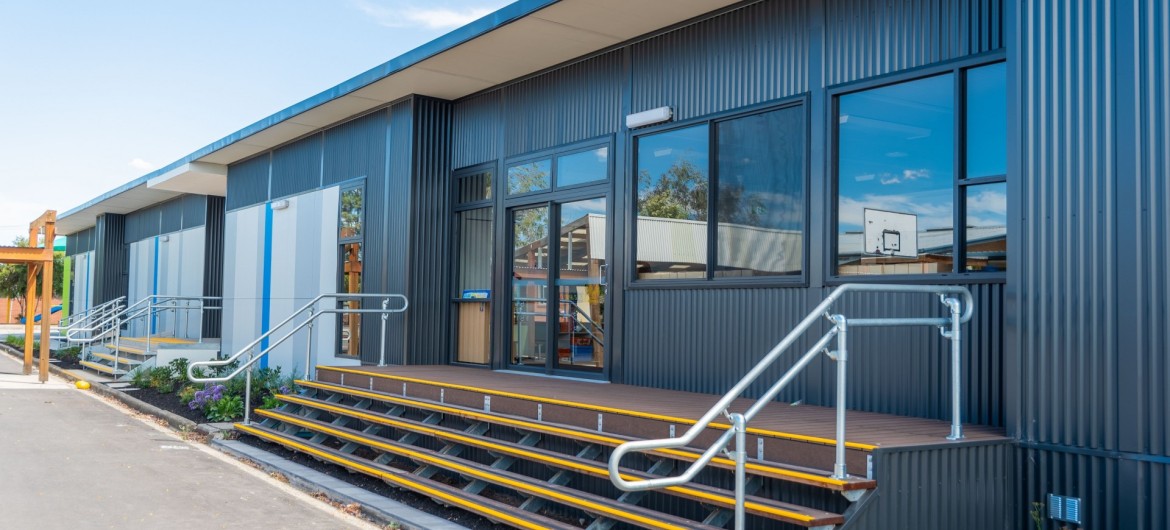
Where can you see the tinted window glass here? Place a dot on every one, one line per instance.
(987, 121)
(351, 214)
(987, 228)
(529, 176)
(760, 194)
(672, 204)
(474, 188)
(586, 166)
(474, 260)
(895, 178)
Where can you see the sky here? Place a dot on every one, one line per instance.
(95, 94)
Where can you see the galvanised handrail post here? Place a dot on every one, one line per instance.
(955, 335)
(382, 343)
(961, 312)
(309, 349)
(739, 426)
(248, 396)
(842, 358)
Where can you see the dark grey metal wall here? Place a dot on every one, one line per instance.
(79, 243)
(959, 487)
(296, 167)
(180, 213)
(430, 220)
(111, 258)
(1086, 360)
(355, 149)
(247, 181)
(475, 130)
(397, 222)
(213, 263)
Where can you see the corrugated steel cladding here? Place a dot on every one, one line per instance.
(247, 182)
(296, 167)
(188, 211)
(920, 486)
(111, 258)
(213, 263)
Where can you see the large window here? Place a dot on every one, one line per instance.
(723, 198)
(910, 198)
(473, 265)
(350, 220)
(573, 166)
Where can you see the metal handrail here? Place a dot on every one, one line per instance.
(99, 315)
(960, 312)
(313, 314)
(576, 310)
(156, 304)
(85, 315)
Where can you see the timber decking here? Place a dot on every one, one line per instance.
(869, 428)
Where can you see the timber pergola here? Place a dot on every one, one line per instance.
(39, 261)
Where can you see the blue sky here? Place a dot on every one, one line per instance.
(95, 94)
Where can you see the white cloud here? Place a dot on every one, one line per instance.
(142, 165)
(887, 180)
(865, 177)
(915, 174)
(428, 16)
(931, 213)
(988, 201)
(897, 154)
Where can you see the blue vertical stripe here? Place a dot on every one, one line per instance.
(266, 282)
(154, 287)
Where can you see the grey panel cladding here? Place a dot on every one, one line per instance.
(395, 230)
(194, 211)
(1153, 228)
(959, 487)
(213, 263)
(705, 340)
(430, 233)
(296, 167)
(476, 125)
(1093, 479)
(142, 224)
(355, 149)
(379, 262)
(1065, 268)
(111, 258)
(750, 55)
(864, 38)
(80, 242)
(576, 102)
(247, 182)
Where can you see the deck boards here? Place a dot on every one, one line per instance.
(885, 430)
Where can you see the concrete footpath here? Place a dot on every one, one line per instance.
(70, 460)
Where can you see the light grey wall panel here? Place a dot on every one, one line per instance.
(864, 38)
(751, 55)
(82, 292)
(243, 249)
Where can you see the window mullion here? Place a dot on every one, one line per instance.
(959, 234)
(712, 213)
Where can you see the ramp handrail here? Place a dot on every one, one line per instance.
(313, 313)
(100, 319)
(84, 316)
(960, 312)
(155, 304)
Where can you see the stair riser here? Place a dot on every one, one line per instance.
(794, 452)
(774, 488)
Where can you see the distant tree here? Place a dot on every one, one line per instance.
(14, 277)
(527, 177)
(351, 212)
(679, 193)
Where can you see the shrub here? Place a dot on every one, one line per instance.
(178, 368)
(159, 378)
(269, 402)
(187, 393)
(226, 409)
(141, 378)
(71, 354)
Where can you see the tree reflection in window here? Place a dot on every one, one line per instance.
(352, 202)
(529, 177)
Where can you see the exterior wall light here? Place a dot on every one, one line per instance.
(649, 117)
(280, 205)
(165, 238)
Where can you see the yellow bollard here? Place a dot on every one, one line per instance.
(82, 385)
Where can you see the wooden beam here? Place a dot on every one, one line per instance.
(25, 254)
(46, 308)
(49, 217)
(30, 302)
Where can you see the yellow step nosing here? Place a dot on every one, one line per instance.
(518, 485)
(101, 367)
(598, 408)
(547, 459)
(607, 440)
(120, 360)
(417, 486)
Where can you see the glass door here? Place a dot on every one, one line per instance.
(529, 287)
(561, 329)
(581, 286)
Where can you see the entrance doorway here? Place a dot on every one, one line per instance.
(558, 288)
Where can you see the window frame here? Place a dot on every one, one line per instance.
(958, 68)
(553, 155)
(712, 281)
(357, 184)
(453, 274)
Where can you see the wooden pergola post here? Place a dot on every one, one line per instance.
(39, 261)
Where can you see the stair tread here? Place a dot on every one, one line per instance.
(105, 368)
(485, 507)
(120, 359)
(590, 503)
(597, 408)
(158, 340)
(777, 470)
(711, 495)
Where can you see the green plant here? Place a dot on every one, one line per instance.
(71, 354)
(227, 408)
(269, 402)
(141, 378)
(187, 393)
(159, 378)
(1037, 513)
(178, 368)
